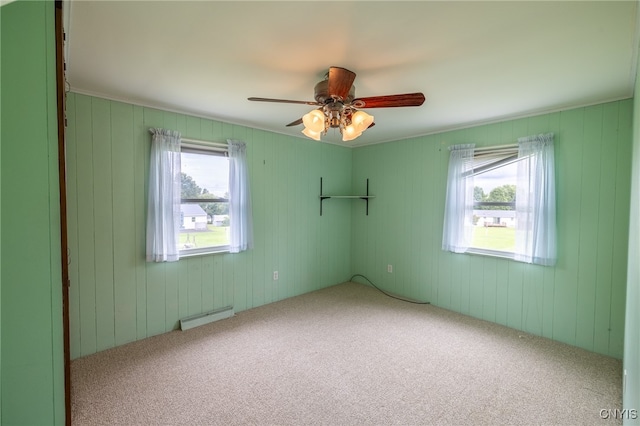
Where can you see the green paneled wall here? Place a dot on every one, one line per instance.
(580, 301)
(0, 214)
(631, 388)
(116, 297)
(32, 383)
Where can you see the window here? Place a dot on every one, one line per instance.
(516, 218)
(207, 174)
(494, 203)
(204, 200)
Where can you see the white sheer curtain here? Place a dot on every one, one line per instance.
(458, 210)
(163, 214)
(240, 216)
(536, 201)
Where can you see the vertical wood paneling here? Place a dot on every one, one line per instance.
(31, 371)
(248, 134)
(489, 294)
(156, 299)
(580, 300)
(587, 263)
(296, 197)
(124, 236)
(118, 297)
(515, 295)
(270, 216)
(281, 238)
(258, 205)
(606, 223)
(359, 235)
(177, 293)
(621, 229)
(376, 216)
(207, 284)
(568, 184)
(476, 296)
(290, 284)
(172, 312)
(631, 364)
(394, 251)
(533, 287)
(218, 283)
(330, 186)
(194, 287)
(84, 252)
(412, 241)
(434, 206)
(103, 222)
(72, 229)
(502, 291)
(142, 148)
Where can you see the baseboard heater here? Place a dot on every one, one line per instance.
(206, 318)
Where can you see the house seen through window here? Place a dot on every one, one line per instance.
(494, 208)
(204, 208)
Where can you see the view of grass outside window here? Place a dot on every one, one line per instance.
(204, 210)
(494, 209)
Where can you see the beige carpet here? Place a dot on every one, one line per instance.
(345, 355)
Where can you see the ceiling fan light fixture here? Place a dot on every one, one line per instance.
(349, 133)
(314, 121)
(361, 120)
(311, 134)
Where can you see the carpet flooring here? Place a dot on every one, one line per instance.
(345, 355)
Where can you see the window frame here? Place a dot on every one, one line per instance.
(536, 238)
(211, 149)
(507, 156)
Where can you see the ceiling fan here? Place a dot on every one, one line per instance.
(339, 108)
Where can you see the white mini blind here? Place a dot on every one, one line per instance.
(489, 158)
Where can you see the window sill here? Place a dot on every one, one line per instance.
(204, 251)
(490, 253)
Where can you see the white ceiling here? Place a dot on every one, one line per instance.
(475, 61)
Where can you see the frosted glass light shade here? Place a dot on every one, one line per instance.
(311, 134)
(350, 133)
(361, 120)
(314, 121)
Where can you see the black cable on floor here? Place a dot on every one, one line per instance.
(387, 294)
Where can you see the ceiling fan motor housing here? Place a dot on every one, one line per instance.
(333, 106)
(323, 96)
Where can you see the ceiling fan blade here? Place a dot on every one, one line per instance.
(340, 82)
(391, 101)
(295, 123)
(283, 101)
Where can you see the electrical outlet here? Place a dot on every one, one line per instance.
(389, 268)
(275, 275)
